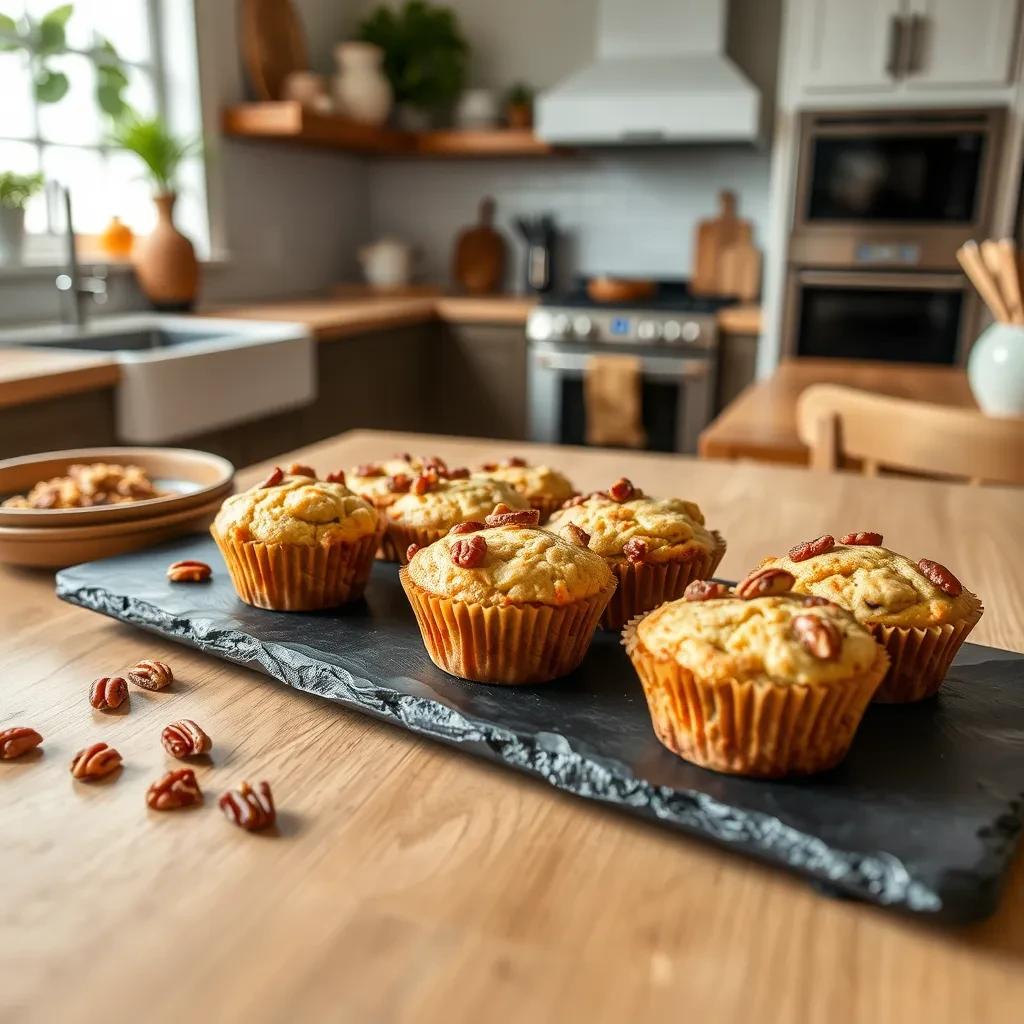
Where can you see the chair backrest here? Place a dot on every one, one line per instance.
(839, 423)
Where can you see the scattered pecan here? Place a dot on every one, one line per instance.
(765, 583)
(469, 526)
(410, 551)
(337, 477)
(813, 601)
(705, 590)
(185, 738)
(16, 741)
(576, 499)
(275, 478)
(95, 761)
(399, 483)
(862, 537)
(810, 548)
(458, 473)
(424, 482)
(636, 550)
(370, 469)
(503, 515)
(433, 464)
(108, 692)
(940, 576)
(189, 571)
(819, 637)
(301, 469)
(515, 462)
(178, 788)
(151, 674)
(470, 552)
(578, 535)
(621, 490)
(248, 808)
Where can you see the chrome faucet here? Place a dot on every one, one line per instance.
(74, 288)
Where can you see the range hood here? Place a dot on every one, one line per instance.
(660, 76)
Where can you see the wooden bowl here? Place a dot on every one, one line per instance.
(192, 479)
(619, 289)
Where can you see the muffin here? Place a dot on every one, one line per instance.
(295, 543)
(654, 546)
(919, 611)
(545, 489)
(501, 601)
(757, 681)
(434, 504)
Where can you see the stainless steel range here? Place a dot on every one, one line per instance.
(674, 338)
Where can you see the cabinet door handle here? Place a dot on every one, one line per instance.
(894, 61)
(915, 51)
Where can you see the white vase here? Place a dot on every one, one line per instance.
(12, 234)
(361, 91)
(995, 369)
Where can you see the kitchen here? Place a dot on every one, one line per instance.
(658, 241)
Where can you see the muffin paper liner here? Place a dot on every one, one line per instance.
(547, 507)
(299, 577)
(765, 730)
(920, 656)
(644, 586)
(509, 644)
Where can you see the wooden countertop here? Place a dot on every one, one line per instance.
(412, 883)
(32, 374)
(760, 423)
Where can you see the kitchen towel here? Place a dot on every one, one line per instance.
(613, 401)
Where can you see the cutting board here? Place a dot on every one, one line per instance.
(714, 238)
(478, 263)
(739, 271)
(272, 45)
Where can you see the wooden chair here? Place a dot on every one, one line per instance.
(840, 424)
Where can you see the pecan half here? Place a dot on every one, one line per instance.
(862, 537)
(819, 637)
(503, 515)
(185, 738)
(578, 535)
(301, 469)
(275, 478)
(370, 469)
(458, 473)
(940, 576)
(424, 482)
(636, 549)
(16, 741)
(469, 526)
(576, 499)
(813, 601)
(469, 552)
(189, 571)
(810, 548)
(151, 674)
(178, 788)
(705, 590)
(765, 583)
(410, 551)
(108, 692)
(399, 483)
(621, 490)
(96, 761)
(337, 477)
(248, 808)
(515, 462)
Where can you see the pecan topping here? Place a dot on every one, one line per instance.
(862, 537)
(301, 469)
(621, 490)
(185, 738)
(459, 473)
(151, 674)
(470, 552)
(576, 499)
(189, 571)
(819, 637)
(399, 483)
(176, 789)
(16, 741)
(469, 526)
(515, 462)
(95, 761)
(370, 469)
(433, 464)
(765, 583)
(810, 548)
(503, 515)
(813, 601)
(248, 808)
(578, 535)
(940, 576)
(275, 478)
(424, 482)
(636, 550)
(108, 692)
(705, 590)
(337, 477)
(410, 551)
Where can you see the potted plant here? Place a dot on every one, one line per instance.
(165, 261)
(519, 106)
(15, 191)
(425, 57)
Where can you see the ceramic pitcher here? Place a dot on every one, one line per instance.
(361, 91)
(995, 369)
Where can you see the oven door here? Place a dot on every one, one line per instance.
(677, 392)
(903, 317)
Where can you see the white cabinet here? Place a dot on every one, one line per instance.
(851, 45)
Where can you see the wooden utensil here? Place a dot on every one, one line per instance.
(739, 271)
(619, 289)
(272, 44)
(1007, 274)
(478, 264)
(713, 237)
(971, 259)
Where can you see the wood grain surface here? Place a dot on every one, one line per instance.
(410, 883)
(32, 374)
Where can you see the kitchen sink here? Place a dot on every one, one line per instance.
(182, 375)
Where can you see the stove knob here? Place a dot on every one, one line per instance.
(560, 326)
(582, 327)
(648, 330)
(691, 331)
(672, 331)
(538, 327)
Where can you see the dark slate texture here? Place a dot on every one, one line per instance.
(923, 815)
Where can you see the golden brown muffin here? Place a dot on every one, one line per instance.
(654, 546)
(543, 487)
(919, 611)
(501, 601)
(294, 543)
(764, 686)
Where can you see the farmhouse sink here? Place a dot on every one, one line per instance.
(182, 375)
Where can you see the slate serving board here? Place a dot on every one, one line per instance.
(923, 815)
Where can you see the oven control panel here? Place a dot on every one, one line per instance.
(642, 327)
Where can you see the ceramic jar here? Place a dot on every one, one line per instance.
(477, 109)
(387, 263)
(361, 92)
(995, 369)
(165, 262)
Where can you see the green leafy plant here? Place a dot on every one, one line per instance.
(519, 95)
(17, 189)
(425, 53)
(155, 145)
(41, 39)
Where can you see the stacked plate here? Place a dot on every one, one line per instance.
(194, 484)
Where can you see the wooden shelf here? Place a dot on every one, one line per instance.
(288, 122)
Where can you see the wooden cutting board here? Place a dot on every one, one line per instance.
(739, 271)
(713, 238)
(478, 263)
(272, 45)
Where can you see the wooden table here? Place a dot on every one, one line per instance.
(410, 883)
(760, 423)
